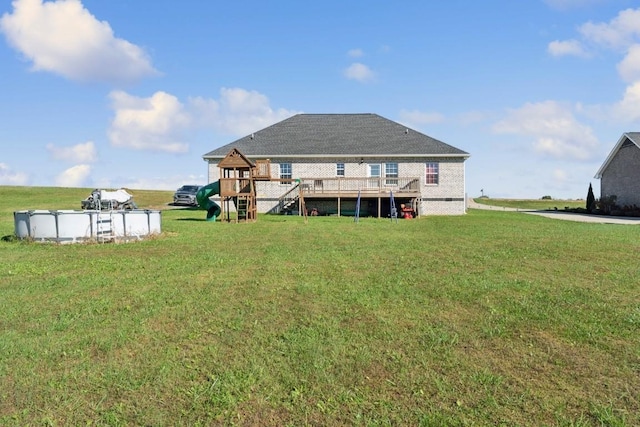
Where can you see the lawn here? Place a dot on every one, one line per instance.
(491, 318)
(540, 204)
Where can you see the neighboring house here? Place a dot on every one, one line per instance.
(620, 173)
(333, 158)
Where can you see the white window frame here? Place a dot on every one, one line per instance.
(370, 167)
(392, 176)
(283, 174)
(432, 169)
(340, 170)
(374, 183)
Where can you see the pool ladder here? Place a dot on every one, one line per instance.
(104, 232)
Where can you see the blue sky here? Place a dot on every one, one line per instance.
(121, 93)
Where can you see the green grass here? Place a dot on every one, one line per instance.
(492, 318)
(531, 203)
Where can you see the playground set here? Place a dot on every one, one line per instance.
(237, 185)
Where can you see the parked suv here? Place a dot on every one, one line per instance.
(186, 195)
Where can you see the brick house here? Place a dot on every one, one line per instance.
(333, 158)
(620, 173)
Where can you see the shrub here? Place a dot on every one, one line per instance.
(606, 204)
(590, 199)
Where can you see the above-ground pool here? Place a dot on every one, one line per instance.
(72, 226)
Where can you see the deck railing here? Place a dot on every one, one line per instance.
(350, 186)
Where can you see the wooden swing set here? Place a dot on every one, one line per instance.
(238, 177)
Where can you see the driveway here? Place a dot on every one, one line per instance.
(567, 216)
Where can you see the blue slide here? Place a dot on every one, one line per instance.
(213, 210)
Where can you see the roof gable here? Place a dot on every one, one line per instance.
(342, 135)
(625, 139)
(235, 159)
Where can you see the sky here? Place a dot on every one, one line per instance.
(121, 93)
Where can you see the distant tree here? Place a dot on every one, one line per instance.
(590, 199)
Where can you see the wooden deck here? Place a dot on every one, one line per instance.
(367, 187)
(337, 196)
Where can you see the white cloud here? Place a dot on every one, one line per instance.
(79, 153)
(75, 176)
(154, 123)
(237, 112)
(567, 48)
(629, 67)
(622, 35)
(355, 53)
(359, 72)
(65, 38)
(417, 118)
(619, 33)
(159, 123)
(9, 177)
(554, 129)
(628, 109)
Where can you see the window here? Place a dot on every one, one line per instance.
(285, 171)
(391, 171)
(432, 172)
(339, 169)
(374, 172)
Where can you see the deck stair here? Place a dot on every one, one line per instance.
(289, 199)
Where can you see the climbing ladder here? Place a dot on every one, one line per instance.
(241, 208)
(246, 209)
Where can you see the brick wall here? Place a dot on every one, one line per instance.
(445, 198)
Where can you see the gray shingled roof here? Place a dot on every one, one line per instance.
(634, 137)
(346, 135)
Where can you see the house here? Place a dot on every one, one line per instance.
(619, 175)
(333, 159)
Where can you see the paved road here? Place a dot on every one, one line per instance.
(567, 216)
